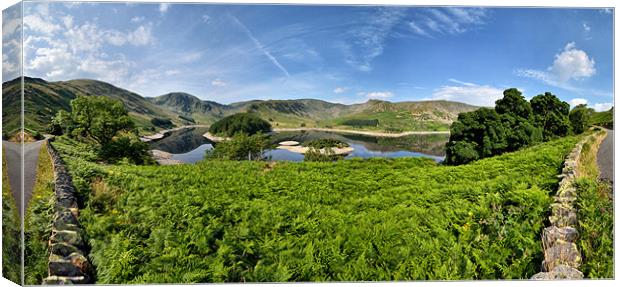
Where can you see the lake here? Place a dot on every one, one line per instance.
(188, 145)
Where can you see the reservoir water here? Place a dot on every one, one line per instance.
(188, 145)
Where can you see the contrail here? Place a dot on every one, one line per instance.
(260, 46)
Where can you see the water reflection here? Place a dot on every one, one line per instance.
(188, 145)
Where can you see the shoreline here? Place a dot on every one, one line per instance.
(368, 133)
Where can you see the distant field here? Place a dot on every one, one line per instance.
(350, 220)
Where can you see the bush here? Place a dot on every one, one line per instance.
(187, 119)
(325, 143)
(315, 154)
(246, 123)
(240, 147)
(126, 146)
(361, 123)
(162, 123)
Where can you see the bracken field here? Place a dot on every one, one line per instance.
(377, 219)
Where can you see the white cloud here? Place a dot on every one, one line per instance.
(577, 101)
(586, 27)
(36, 23)
(601, 107)
(418, 30)
(137, 19)
(471, 94)
(572, 63)
(260, 46)
(163, 8)
(218, 83)
(10, 26)
(606, 10)
(67, 21)
(461, 82)
(379, 95)
(206, 18)
(340, 90)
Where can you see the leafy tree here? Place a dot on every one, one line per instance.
(513, 103)
(240, 147)
(246, 123)
(580, 117)
(484, 132)
(99, 117)
(551, 114)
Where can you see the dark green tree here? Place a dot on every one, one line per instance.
(551, 114)
(513, 103)
(481, 131)
(247, 123)
(580, 117)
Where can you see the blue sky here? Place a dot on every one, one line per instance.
(346, 54)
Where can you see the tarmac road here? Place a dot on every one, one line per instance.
(13, 162)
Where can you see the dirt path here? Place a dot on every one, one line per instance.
(13, 162)
(605, 157)
(368, 133)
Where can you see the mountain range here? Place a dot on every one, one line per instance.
(42, 99)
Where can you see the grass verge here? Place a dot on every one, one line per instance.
(595, 214)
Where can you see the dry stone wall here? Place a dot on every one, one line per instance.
(562, 258)
(68, 250)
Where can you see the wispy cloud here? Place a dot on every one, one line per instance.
(260, 46)
(577, 101)
(461, 82)
(368, 40)
(452, 20)
(218, 83)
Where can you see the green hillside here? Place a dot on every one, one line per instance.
(604, 119)
(203, 112)
(43, 99)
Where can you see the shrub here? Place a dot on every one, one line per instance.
(162, 123)
(240, 147)
(246, 123)
(187, 119)
(315, 154)
(361, 123)
(325, 143)
(126, 146)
